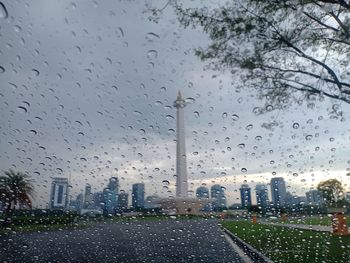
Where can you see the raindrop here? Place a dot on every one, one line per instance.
(224, 115)
(195, 153)
(3, 11)
(244, 170)
(241, 145)
(169, 117)
(140, 155)
(249, 127)
(34, 132)
(119, 32)
(269, 107)
(165, 182)
(17, 28)
(22, 109)
(137, 113)
(171, 130)
(190, 100)
(83, 159)
(162, 89)
(308, 137)
(151, 36)
(35, 72)
(196, 114)
(152, 54)
(235, 117)
(2, 69)
(295, 125)
(258, 138)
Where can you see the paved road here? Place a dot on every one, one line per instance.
(133, 241)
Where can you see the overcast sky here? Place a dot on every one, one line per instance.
(86, 92)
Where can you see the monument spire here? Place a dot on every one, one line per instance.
(181, 163)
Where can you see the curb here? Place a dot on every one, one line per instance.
(251, 252)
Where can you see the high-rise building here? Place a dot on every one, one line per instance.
(138, 195)
(246, 197)
(202, 192)
(278, 191)
(113, 184)
(98, 200)
(110, 196)
(314, 197)
(218, 196)
(123, 201)
(88, 198)
(151, 202)
(59, 193)
(181, 163)
(262, 198)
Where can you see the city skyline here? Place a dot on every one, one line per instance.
(83, 111)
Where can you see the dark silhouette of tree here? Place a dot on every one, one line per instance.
(15, 189)
(289, 51)
(333, 192)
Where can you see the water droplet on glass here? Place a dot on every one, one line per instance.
(152, 54)
(235, 117)
(17, 28)
(165, 182)
(244, 170)
(151, 36)
(190, 100)
(35, 72)
(224, 115)
(196, 114)
(3, 11)
(119, 32)
(2, 69)
(295, 125)
(169, 117)
(22, 109)
(308, 137)
(249, 127)
(241, 145)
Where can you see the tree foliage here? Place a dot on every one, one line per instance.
(333, 192)
(15, 189)
(289, 51)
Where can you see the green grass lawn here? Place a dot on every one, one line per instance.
(321, 220)
(288, 245)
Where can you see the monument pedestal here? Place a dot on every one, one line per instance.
(183, 206)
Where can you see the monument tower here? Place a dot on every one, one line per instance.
(181, 164)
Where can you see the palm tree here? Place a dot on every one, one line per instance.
(15, 189)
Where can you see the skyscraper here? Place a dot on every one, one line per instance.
(278, 191)
(246, 197)
(123, 201)
(218, 196)
(110, 196)
(88, 198)
(59, 193)
(138, 195)
(262, 198)
(181, 164)
(202, 192)
(314, 197)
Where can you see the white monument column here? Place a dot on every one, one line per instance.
(181, 164)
